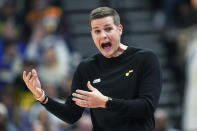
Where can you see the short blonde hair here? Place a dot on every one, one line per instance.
(102, 12)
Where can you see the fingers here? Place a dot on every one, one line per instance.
(90, 87)
(81, 103)
(29, 79)
(86, 93)
(24, 75)
(26, 78)
(34, 72)
(32, 82)
(80, 96)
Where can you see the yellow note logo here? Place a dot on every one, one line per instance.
(128, 73)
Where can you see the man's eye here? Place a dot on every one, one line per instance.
(108, 29)
(96, 31)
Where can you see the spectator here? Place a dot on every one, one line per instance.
(162, 121)
(190, 106)
(3, 117)
(50, 53)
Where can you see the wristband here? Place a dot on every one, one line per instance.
(45, 99)
(108, 104)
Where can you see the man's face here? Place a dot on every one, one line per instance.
(106, 36)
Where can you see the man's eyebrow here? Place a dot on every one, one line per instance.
(104, 26)
(107, 25)
(95, 28)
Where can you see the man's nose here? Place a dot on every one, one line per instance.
(103, 34)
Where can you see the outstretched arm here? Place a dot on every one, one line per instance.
(68, 112)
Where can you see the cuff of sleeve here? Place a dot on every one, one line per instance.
(113, 103)
(48, 102)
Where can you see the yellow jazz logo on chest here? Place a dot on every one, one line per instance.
(128, 73)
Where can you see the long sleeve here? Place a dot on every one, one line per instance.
(68, 112)
(149, 87)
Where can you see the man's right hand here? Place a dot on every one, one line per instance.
(33, 83)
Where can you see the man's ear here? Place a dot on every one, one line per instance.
(120, 28)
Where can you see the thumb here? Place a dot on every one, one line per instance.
(90, 87)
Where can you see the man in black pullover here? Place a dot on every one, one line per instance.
(121, 85)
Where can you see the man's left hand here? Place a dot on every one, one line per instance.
(93, 99)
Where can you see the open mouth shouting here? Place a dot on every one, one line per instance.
(106, 46)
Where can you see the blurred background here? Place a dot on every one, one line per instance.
(53, 36)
